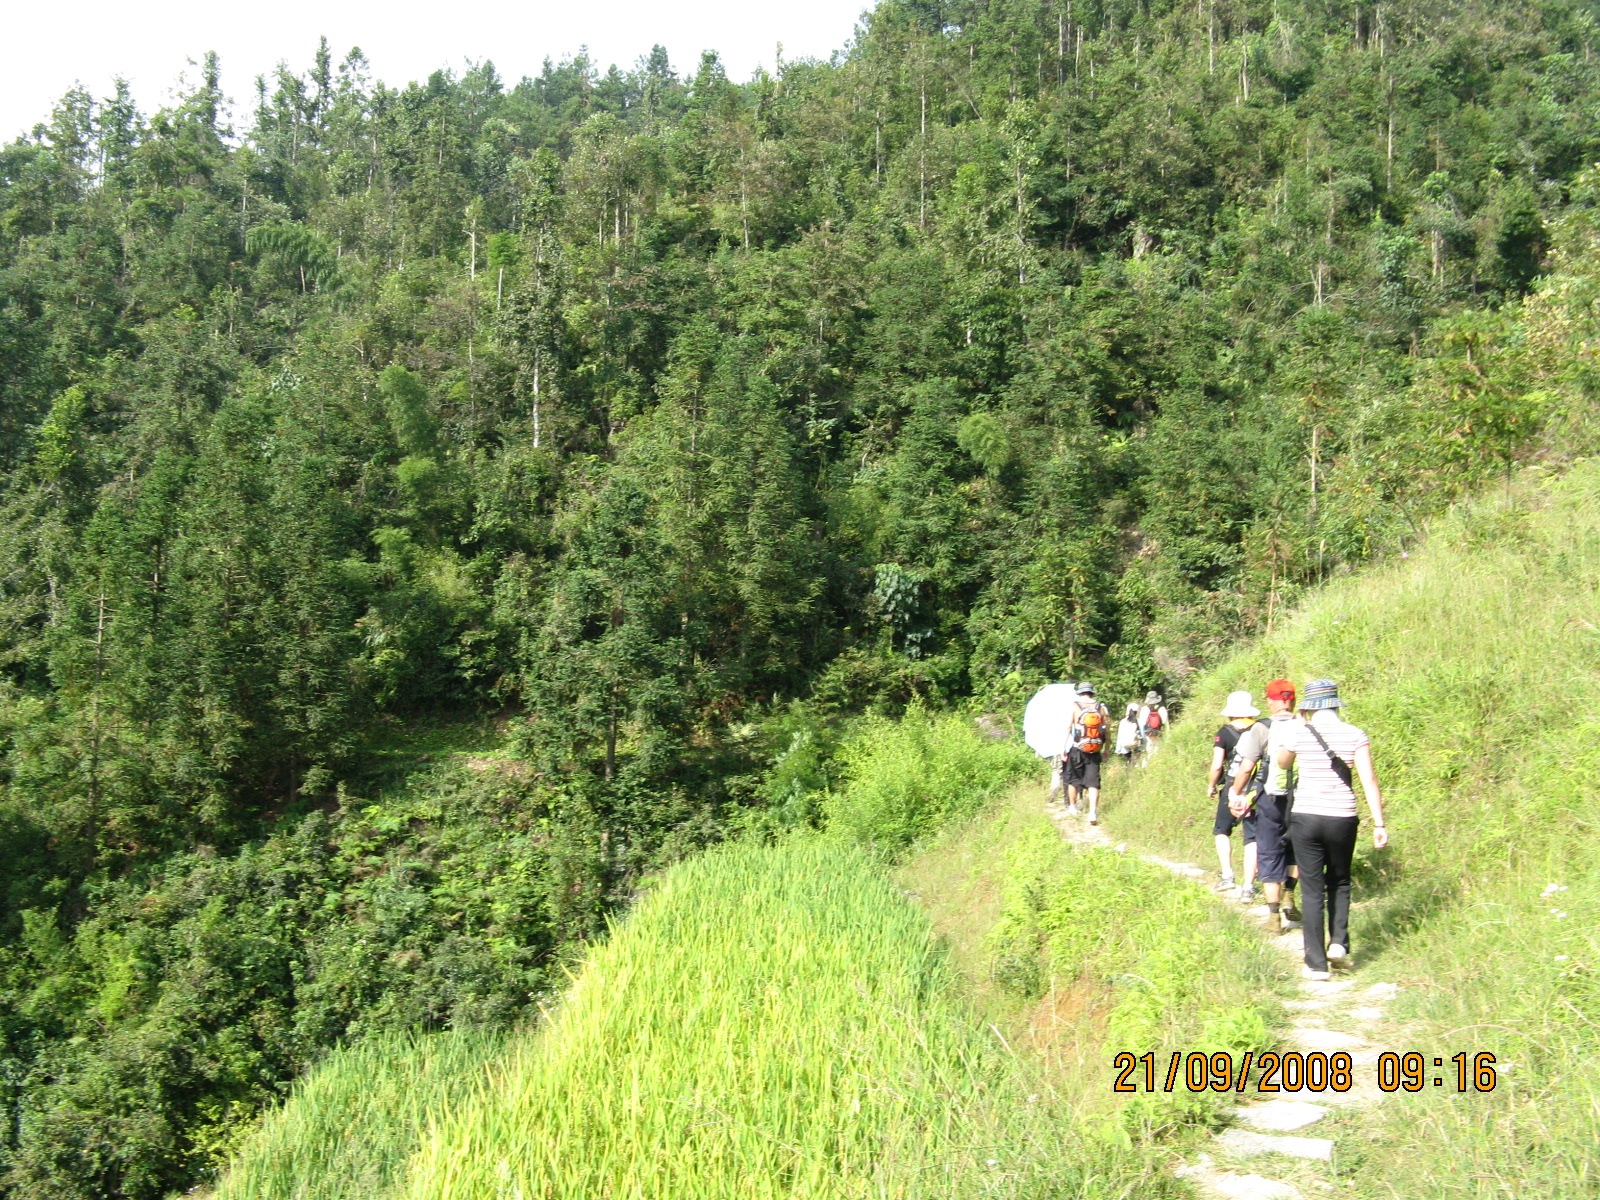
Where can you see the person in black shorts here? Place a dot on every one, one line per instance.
(1241, 714)
(1089, 735)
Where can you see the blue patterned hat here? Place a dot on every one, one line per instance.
(1320, 693)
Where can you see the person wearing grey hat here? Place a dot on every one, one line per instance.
(1091, 728)
(1152, 723)
(1323, 824)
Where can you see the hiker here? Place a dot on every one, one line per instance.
(1241, 713)
(1058, 777)
(1130, 740)
(1259, 780)
(1323, 821)
(1091, 726)
(1152, 723)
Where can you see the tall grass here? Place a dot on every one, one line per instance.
(1475, 667)
(905, 779)
(350, 1126)
(772, 1021)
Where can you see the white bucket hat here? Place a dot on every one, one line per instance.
(1239, 705)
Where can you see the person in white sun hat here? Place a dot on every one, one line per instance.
(1241, 713)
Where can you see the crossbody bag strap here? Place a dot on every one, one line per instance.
(1340, 767)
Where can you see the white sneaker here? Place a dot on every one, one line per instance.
(1338, 956)
(1072, 810)
(1318, 975)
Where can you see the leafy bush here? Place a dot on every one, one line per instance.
(184, 1002)
(905, 779)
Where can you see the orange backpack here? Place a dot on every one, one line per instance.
(1090, 733)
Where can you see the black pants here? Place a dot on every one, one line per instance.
(1323, 848)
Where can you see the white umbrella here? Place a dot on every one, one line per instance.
(1047, 722)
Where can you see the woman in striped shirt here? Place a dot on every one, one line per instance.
(1323, 821)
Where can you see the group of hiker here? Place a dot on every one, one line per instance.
(1077, 770)
(1285, 779)
(1288, 782)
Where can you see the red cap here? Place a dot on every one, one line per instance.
(1280, 689)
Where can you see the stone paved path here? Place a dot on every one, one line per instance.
(1347, 1012)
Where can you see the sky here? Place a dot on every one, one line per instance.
(149, 44)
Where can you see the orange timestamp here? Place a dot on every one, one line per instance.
(1292, 1071)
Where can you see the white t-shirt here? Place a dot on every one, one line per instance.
(1127, 735)
(1320, 792)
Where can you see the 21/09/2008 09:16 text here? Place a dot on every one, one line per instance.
(1293, 1072)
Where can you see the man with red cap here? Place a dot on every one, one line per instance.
(1273, 790)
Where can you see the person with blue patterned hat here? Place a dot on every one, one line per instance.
(1323, 824)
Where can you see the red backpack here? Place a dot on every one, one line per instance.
(1152, 721)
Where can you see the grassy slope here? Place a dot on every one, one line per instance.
(1474, 668)
(1079, 955)
(355, 1121)
(771, 1021)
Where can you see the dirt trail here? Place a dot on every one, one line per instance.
(1347, 1012)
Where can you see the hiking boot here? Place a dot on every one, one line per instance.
(1290, 912)
(1274, 922)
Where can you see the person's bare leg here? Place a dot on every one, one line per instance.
(1273, 892)
(1249, 864)
(1072, 797)
(1094, 804)
(1225, 854)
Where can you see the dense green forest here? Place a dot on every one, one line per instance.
(645, 425)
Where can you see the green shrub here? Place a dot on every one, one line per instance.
(905, 779)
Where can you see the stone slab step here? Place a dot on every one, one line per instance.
(1323, 989)
(1242, 1141)
(1280, 1116)
(1250, 1187)
(1327, 1040)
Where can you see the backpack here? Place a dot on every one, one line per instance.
(1152, 721)
(1089, 731)
(1229, 738)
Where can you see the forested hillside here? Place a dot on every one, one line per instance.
(635, 425)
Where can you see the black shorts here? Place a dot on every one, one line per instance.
(1083, 769)
(1225, 822)
(1274, 851)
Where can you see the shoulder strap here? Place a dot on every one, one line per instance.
(1340, 767)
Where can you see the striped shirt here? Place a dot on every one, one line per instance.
(1320, 792)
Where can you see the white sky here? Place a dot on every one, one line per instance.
(49, 49)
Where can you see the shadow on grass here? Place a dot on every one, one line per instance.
(1395, 903)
